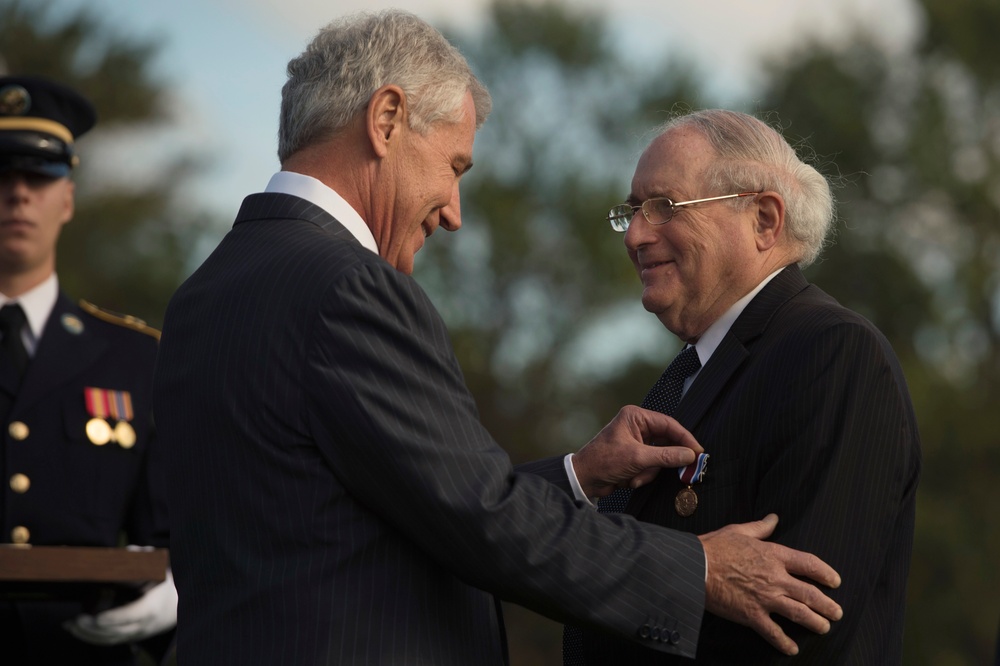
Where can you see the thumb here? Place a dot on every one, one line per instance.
(664, 456)
(759, 529)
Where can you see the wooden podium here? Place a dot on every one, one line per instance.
(56, 572)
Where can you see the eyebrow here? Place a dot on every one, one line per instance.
(633, 200)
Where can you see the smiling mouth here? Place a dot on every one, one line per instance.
(650, 265)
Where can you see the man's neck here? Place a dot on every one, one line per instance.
(13, 285)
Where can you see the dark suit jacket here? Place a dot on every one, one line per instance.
(805, 413)
(334, 498)
(79, 494)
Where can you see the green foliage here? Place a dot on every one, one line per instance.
(128, 245)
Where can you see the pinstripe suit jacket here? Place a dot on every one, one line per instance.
(805, 412)
(334, 498)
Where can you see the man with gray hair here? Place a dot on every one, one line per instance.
(800, 403)
(335, 498)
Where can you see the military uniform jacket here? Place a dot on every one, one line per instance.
(60, 488)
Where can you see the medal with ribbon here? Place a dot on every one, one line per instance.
(687, 499)
(105, 406)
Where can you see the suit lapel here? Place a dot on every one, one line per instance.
(64, 351)
(731, 353)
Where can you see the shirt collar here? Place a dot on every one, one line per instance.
(37, 304)
(712, 337)
(315, 192)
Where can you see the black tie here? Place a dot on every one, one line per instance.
(12, 322)
(663, 397)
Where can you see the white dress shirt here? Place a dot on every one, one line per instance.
(315, 192)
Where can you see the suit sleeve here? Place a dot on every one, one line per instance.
(843, 467)
(551, 469)
(397, 425)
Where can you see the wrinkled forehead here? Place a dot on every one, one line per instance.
(673, 165)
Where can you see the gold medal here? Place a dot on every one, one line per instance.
(686, 502)
(124, 435)
(98, 431)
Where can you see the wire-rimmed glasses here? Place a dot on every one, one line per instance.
(658, 210)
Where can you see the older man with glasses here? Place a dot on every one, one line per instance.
(800, 404)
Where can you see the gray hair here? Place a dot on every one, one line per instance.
(331, 82)
(752, 156)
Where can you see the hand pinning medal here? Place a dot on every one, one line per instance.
(687, 499)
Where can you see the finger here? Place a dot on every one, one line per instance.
(810, 566)
(664, 456)
(801, 614)
(84, 629)
(774, 635)
(661, 430)
(119, 615)
(758, 529)
(811, 597)
(644, 477)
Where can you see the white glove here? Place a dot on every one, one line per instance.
(152, 613)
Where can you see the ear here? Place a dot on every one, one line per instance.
(385, 117)
(68, 201)
(770, 221)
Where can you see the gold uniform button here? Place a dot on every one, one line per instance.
(20, 534)
(18, 430)
(20, 483)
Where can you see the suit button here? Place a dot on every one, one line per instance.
(644, 631)
(675, 637)
(20, 534)
(19, 483)
(655, 634)
(18, 430)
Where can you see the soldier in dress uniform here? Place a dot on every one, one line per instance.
(78, 460)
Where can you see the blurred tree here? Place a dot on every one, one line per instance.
(128, 245)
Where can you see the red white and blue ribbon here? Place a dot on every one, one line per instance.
(106, 403)
(693, 472)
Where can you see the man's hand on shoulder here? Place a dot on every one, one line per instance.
(630, 451)
(749, 578)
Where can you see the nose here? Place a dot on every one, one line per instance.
(451, 215)
(13, 187)
(639, 232)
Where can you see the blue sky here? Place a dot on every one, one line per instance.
(225, 59)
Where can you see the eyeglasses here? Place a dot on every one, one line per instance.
(658, 210)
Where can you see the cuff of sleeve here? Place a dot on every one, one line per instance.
(574, 482)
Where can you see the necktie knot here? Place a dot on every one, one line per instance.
(11, 318)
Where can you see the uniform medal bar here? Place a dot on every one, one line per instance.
(104, 406)
(687, 499)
